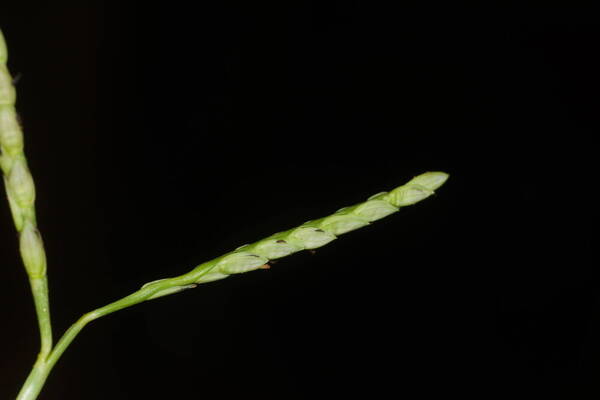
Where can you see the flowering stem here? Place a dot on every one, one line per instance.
(20, 191)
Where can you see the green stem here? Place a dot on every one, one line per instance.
(39, 289)
(35, 381)
(46, 361)
(42, 368)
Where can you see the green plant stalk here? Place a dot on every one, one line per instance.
(310, 235)
(39, 288)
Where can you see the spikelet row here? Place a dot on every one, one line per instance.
(20, 188)
(310, 235)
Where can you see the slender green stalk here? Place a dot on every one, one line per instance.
(43, 366)
(39, 286)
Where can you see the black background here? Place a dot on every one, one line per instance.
(161, 136)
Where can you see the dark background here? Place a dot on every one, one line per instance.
(161, 136)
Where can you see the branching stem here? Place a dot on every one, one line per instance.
(20, 191)
(46, 360)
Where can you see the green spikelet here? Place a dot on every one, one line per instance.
(239, 262)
